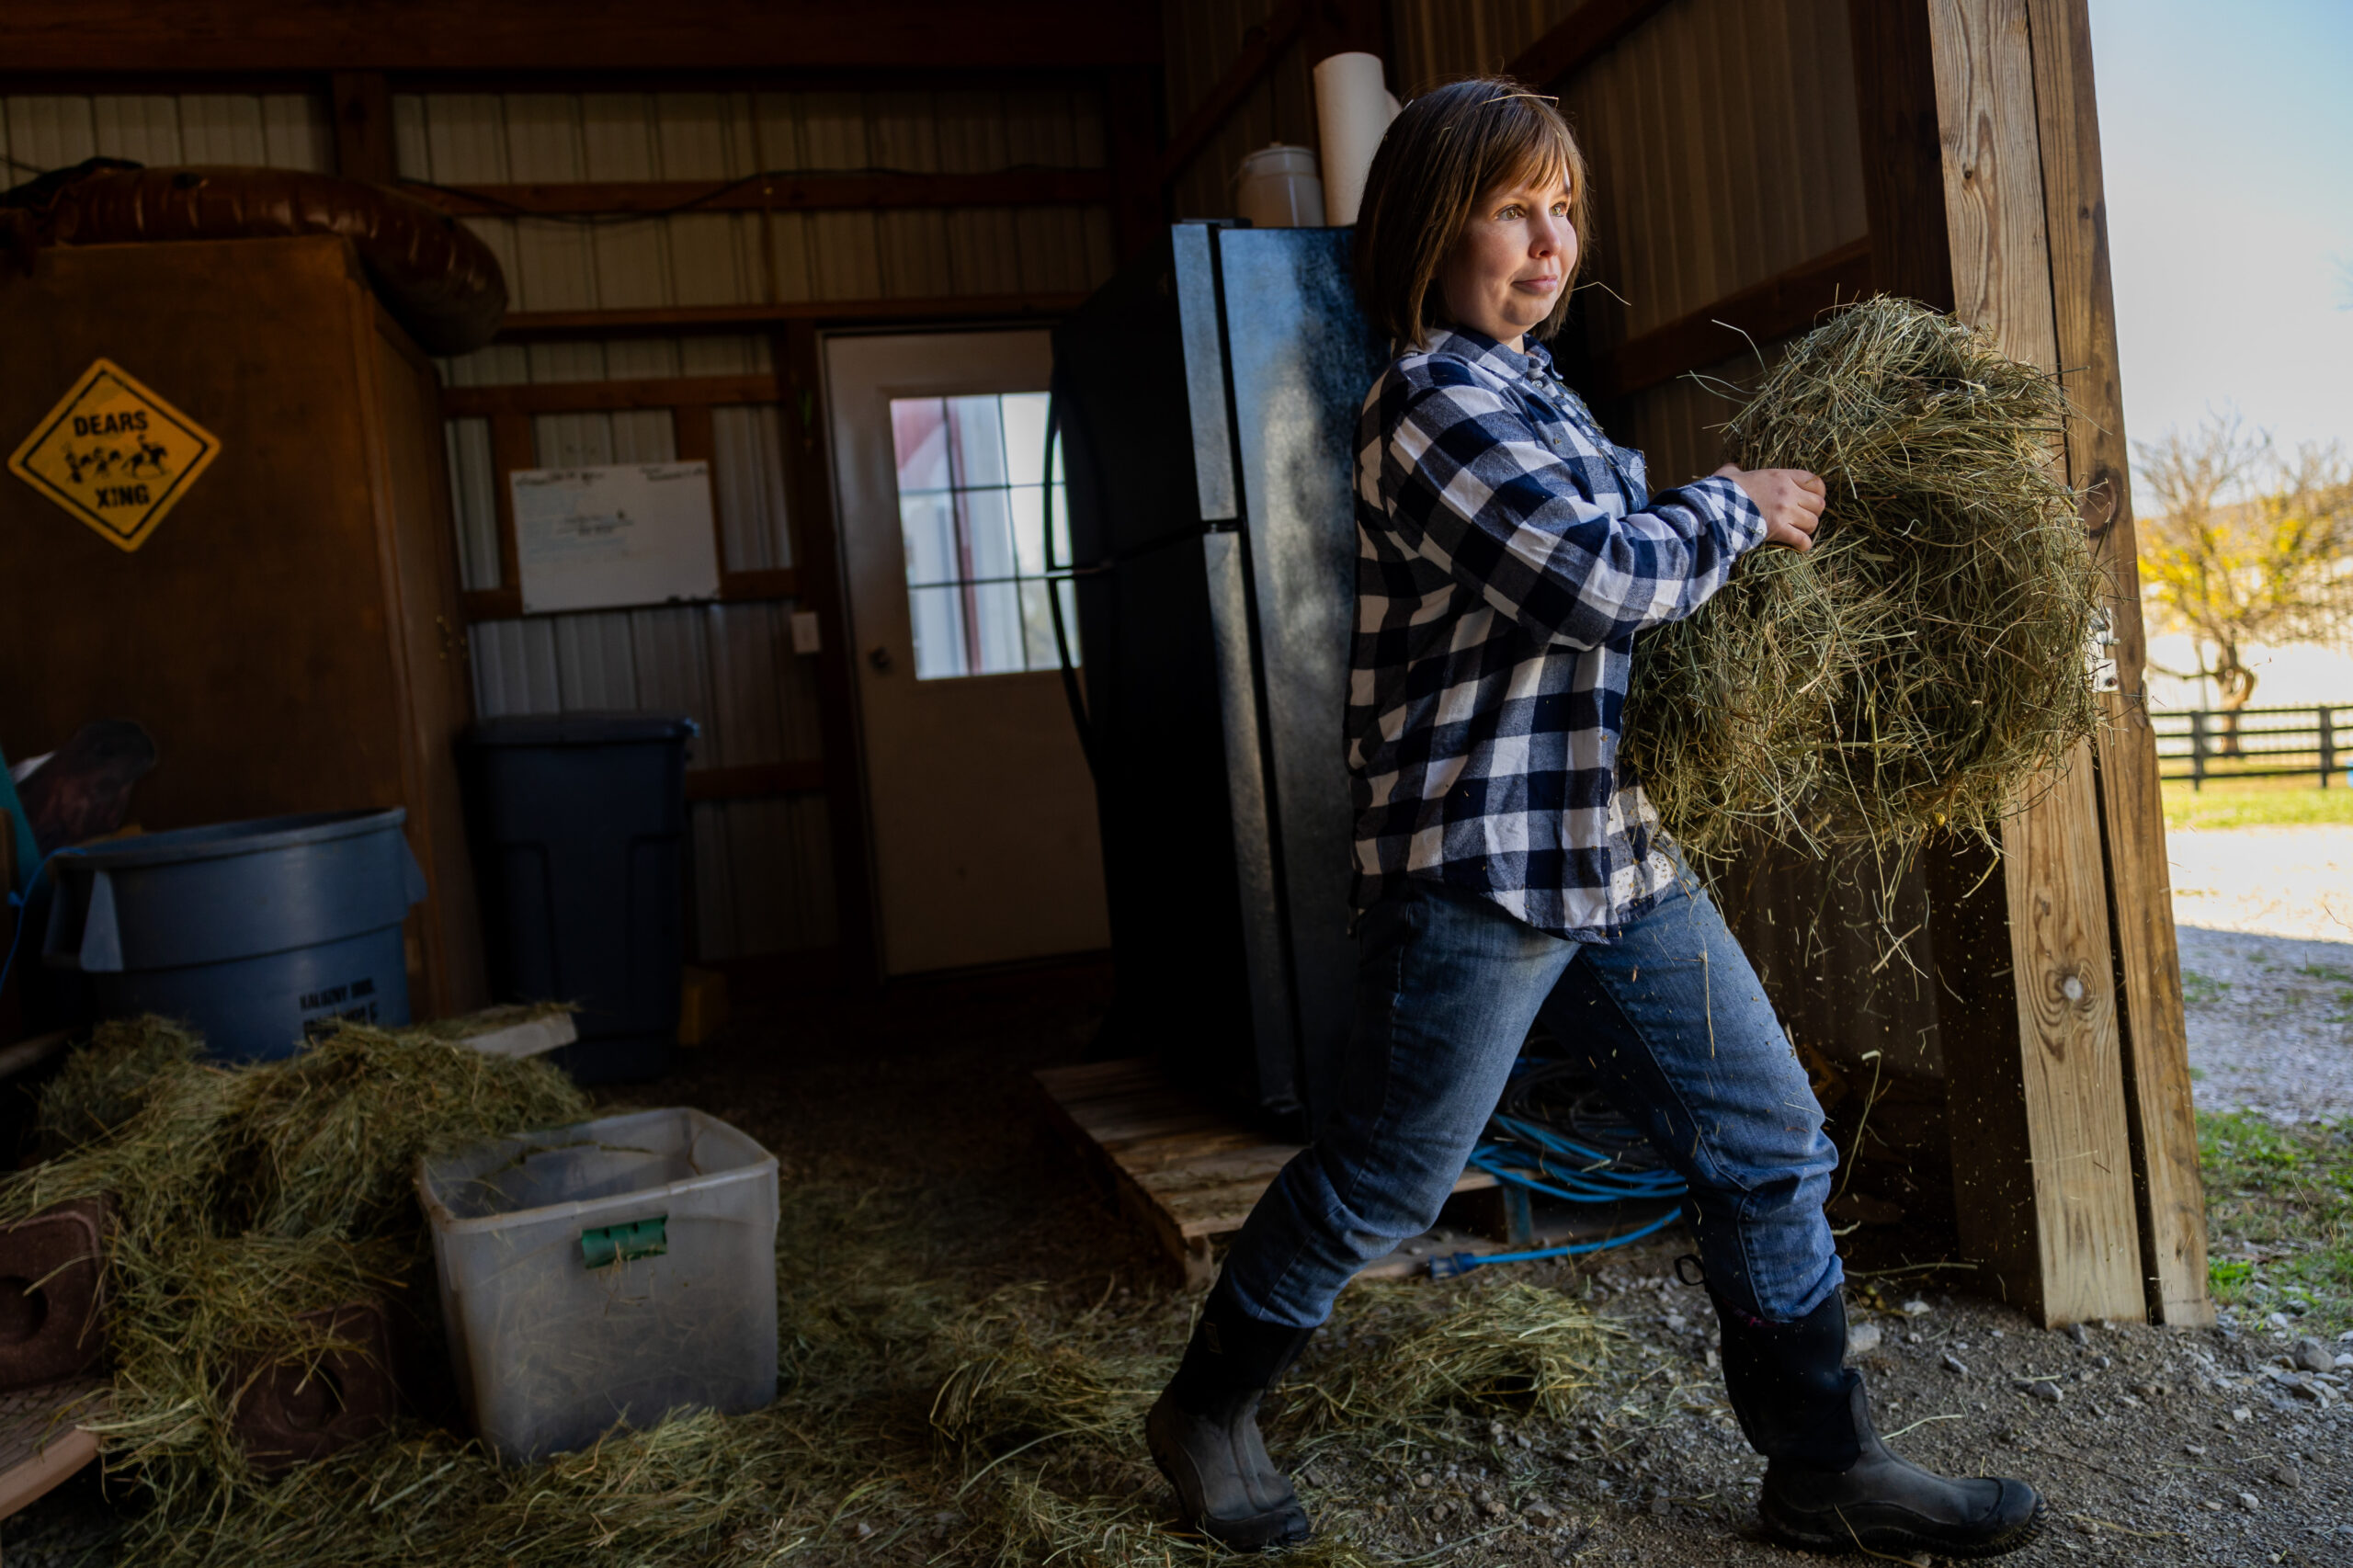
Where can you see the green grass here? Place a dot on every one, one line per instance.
(2202, 990)
(2256, 802)
(2279, 1218)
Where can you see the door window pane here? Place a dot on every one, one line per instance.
(973, 513)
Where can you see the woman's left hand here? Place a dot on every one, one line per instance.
(1790, 498)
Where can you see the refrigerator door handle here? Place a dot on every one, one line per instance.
(1257, 869)
(1203, 334)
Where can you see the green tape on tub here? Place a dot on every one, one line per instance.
(620, 1243)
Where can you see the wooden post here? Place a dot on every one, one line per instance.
(512, 446)
(2162, 1123)
(2041, 1150)
(363, 125)
(1132, 136)
(816, 555)
(11, 1017)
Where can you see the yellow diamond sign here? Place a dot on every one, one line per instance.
(115, 455)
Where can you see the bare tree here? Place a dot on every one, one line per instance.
(2244, 545)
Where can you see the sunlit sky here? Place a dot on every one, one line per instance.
(2226, 134)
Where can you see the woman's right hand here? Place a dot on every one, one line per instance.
(1790, 498)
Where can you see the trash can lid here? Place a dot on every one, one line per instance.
(583, 728)
(217, 840)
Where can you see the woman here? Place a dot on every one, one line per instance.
(1508, 865)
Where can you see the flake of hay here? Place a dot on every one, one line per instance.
(1926, 662)
(104, 1085)
(328, 1140)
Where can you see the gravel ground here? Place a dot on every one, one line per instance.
(2159, 1448)
(2270, 1023)
(2267, 960)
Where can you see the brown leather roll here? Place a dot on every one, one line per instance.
(436, 278)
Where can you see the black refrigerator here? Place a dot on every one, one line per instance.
(1208, 400)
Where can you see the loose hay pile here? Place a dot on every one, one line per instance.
(1925, 661)
(910, 1426)
(245, 1196)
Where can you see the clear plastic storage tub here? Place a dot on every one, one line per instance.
(612, 1271)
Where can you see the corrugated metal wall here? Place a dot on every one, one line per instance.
(280, 131)
(762, 868)
(1202, 39)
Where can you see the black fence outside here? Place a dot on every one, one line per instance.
(2199, 743)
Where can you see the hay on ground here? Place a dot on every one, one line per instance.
(1926, 663)
(247, 1195)
(909, 1425)
(1519, 1345)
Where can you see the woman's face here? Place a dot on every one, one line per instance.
(1506, 271)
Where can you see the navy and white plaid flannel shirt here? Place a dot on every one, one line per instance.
(1507, 552)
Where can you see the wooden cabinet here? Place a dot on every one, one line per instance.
(289, 632)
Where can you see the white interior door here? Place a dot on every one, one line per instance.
(985, 849)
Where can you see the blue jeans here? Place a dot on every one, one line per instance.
(1672, 1017)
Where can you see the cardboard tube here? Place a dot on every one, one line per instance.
(1352, 109)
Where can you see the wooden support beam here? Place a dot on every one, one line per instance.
(694, 439)
(753, 780)
(1262, 46)
(363, 125)
(1131, 132)
(2158, 1108)
(816, 548)
(1766, 311)
(530, 326)
(512, 446)
(764, 586)
(593, 397)
(775, 192)
(1568, 47)
(548, 36)
(2041, 1154)
(767, 584)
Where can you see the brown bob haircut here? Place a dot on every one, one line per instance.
(1447, 150)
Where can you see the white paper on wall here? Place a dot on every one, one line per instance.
(620, 534)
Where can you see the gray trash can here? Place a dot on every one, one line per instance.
(578, 823)
(256, 933)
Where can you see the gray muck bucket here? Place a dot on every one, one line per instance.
(258, 934)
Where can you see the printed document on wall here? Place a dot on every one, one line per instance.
(620, 534)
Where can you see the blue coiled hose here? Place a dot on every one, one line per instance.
(1528, 1155)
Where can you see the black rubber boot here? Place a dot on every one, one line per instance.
(1830, 1484)
(1203, 1430)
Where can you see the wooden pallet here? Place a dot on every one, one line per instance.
(42, 1440)
(1187, 1170)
